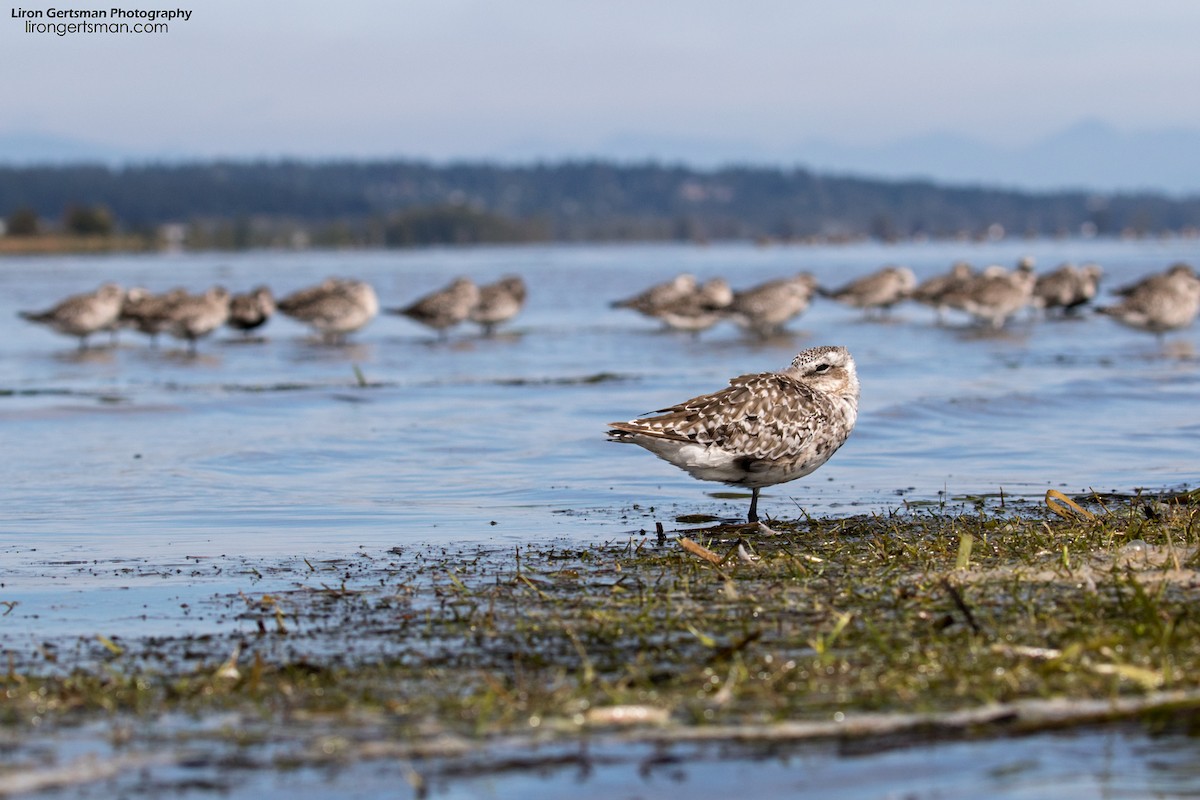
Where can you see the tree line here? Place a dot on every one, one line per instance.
(401, 203)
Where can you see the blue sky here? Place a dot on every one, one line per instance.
(479, 78)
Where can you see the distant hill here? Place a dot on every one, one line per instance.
(1088, 156)
(404, 202)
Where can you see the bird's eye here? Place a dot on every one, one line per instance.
(821, 368)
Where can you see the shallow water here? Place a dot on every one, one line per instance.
(136, 478)
(270, 446)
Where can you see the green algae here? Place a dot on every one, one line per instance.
(720, 628)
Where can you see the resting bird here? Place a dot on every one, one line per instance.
(1159, 303)
(879, 290)
(251, 310)
(498, 302)
(762, 429)
(81, 315)
(444, 308)
(334, 308)
(764, 309)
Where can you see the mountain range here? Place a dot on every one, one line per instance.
(1088, 156)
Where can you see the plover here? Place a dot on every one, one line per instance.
(333, 308)
(1159, 303)
(146, 312)
(996, 294)
(933, 291)
(879, 290)
(81, 315)
(444, 308)
(698, 310)
(766, 308)
(652, 300)
(498, 302)
(1067, 287)
(195, 316)
(762, 429)
(251, 310)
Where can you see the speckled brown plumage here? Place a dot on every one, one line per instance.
(82, 315)
(761, 430)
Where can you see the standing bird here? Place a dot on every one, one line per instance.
(933, 291)
(147, 313)
(764, 309)
(1067, 288)
(197, 315)
(81, 315)
(995, 294)
(498, 302)
(1159, 303)
(251, 310)
(444, 308)
(649, 302)
(333, 308)
(762, 429)
(879, 290)
(698, 310)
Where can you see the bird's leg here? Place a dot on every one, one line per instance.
(753, 515)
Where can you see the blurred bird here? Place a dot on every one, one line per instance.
(650, 301)
(764, 309)
(498, 303)
(146, 312)
(1159, 303)
(251, 310)
(933, 291)
(880, 290)
(445, 308)
(197, 315)
(334, 308)
(81, 315)
(698, 310)
(995, 295)
(1067, 288)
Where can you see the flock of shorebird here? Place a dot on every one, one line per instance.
(337, 307)
(760, 430)
(334, 308)
(991, 297)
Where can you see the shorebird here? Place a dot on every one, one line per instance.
(1159, 303)
(1067, 287)
(498, 302)
(333, 308)
(197, 315)
(882, 289)
(652, 300)
(250, 310)
(698, 310)
(995, 294)
(933, 291)
(81, 315)
(147, 313)
(444, 308)
(762, 429)
(766, 308)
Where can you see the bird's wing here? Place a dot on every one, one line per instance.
(764, 415)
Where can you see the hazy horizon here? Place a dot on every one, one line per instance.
(934, 89)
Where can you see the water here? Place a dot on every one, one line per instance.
(133, 476)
